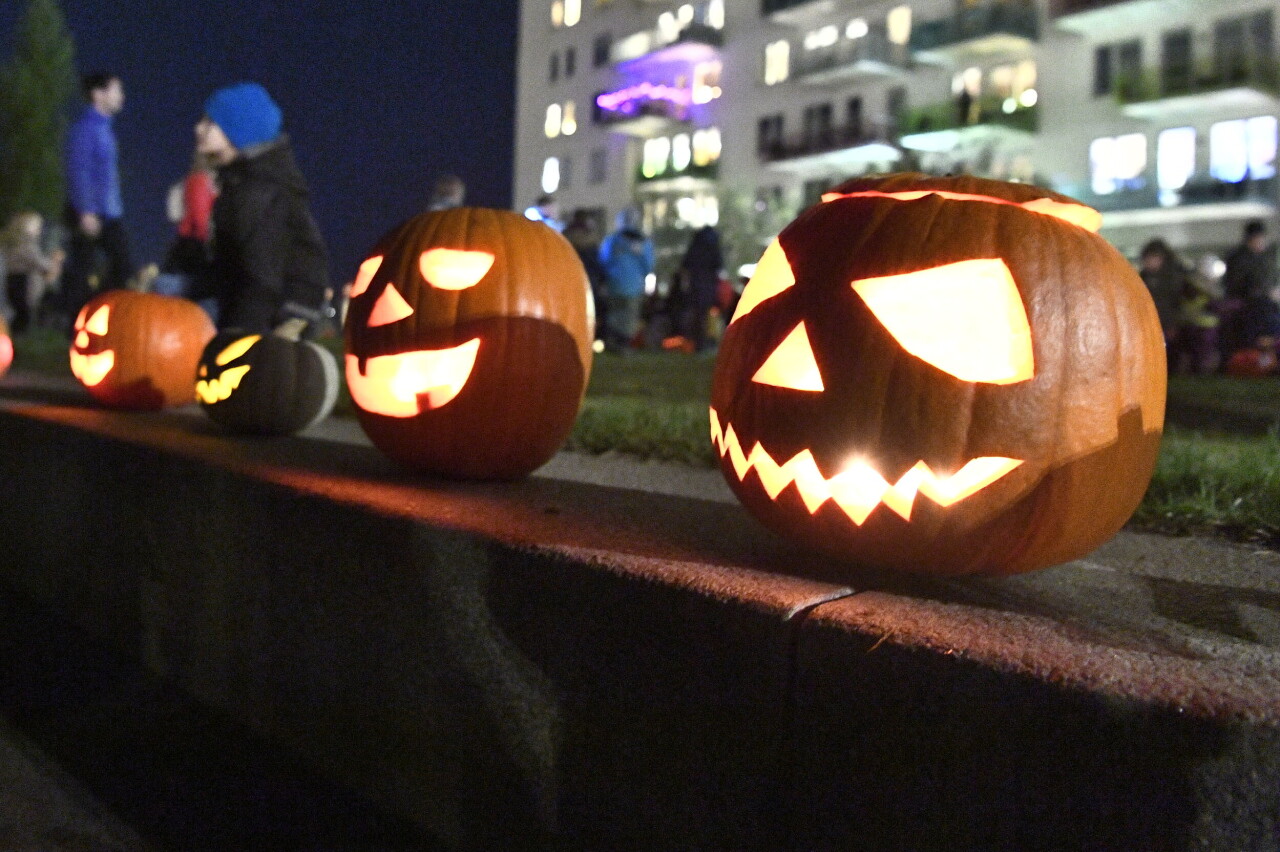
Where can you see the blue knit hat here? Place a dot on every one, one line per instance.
(246, 114)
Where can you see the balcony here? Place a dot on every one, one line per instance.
(940, 127)
(644, 110)
(1102, 18)
(695, 42)
(872, 55)
(797, 13)
(988, 31)
(848, 149)
(1201, 200)
(670, 179)
(1246, 84)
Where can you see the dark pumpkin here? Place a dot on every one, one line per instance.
(265, 384)
(468, 343)
(942, 375)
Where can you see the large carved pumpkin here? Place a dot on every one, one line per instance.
(468, 343)
(942, 375)
(139, 350)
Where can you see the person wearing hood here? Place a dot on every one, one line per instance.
(269, 265)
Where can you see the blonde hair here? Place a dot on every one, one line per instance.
(17, 232)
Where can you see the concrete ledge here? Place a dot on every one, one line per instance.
(571, 665)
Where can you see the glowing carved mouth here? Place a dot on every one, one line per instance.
(402, 385)
(858, 489)
(92, 369)
(217, 389)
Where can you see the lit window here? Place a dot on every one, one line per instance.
(572, 12)
(1117, 162)
(668, 28)
(681, 153)
(1243, 148)
(551, 175)
(706, 82)
(557, 13)
(820, 38)
(1175, 157)
(706, 146)
(551, 126)
(569, 124)
(857, 28)
(777, 62)
(656, 153)
(1025, 77)
(715, 14)
(898, 24)
(684, 15)
(1262, 147)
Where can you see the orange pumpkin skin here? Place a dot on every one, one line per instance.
(508, 301)
(139, 350)
(6, 347)
(1081, 431)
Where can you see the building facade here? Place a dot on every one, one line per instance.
(1160, 113)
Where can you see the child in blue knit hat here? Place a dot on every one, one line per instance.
(269, 268)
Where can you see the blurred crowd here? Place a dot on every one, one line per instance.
(246, 248)
(1218, 314)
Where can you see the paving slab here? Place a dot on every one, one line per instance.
(44, 809)
(614, 655)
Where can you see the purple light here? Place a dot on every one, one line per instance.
(625, 100)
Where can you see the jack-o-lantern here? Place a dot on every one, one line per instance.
(942, 375)
(468, 343)
(139, 350)
(6, 347)
(265, 384)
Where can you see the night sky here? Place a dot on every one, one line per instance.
(378, 96)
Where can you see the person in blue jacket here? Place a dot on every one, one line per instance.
(627, 257)
(94, 210)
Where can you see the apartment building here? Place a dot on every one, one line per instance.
(1161, 113)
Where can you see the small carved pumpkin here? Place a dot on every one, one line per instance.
(6, 347)
(139, 350)
(265, 384)
(468, 343)
(942, 375)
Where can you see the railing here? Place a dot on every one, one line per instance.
(1196, 192)
(1058, 8)
(989, 110)
(847, 53)
(607, 113)
(826, 141)
(975, 23)
(1261, 73)
(646, 42)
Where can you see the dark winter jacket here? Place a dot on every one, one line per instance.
(1249, 273)
(269, 260)
(702, 262)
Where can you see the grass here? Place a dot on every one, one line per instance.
(653, 405)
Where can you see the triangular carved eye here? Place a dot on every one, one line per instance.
(364, 277)
(773, 275)
(98, 323)
(235, 349)
(792, 364)
(965, 318)
(390, 307)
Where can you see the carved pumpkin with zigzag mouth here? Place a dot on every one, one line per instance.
(942, 375)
